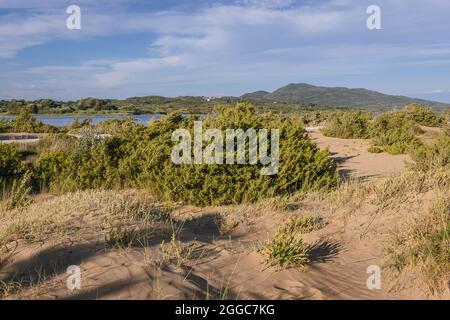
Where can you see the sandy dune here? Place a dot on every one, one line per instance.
(226, 265)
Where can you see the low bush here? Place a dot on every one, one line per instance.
(434, 156)
(11, 164)
(51, 170)
(25, 122)
(5, 126)
(394, 133)
(141, 156)
(423, 116)
(347, 125)
(375, 149)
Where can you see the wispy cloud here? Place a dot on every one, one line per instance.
(231, 47)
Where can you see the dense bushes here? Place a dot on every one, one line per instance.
(302, 165)
(5, 125)
(141, 156)
(423, 116)
(434, 156)
(24, 122)
(10, 161)
(347, 125)
(394, 133)
(11, 167)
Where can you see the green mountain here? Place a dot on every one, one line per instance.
(303, 93)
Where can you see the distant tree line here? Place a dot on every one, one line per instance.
(142, 105)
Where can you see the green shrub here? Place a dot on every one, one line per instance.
(51, 168)
(302, 165)
(433, 156)
(25, 122)
(5, 126)
(317, 117)
(92, 164)
(77, 124)
(423, 116)
(141, 156)
(11, 167)
(375, 149)
(118, 127)
(10, 161)
(394, 133)
(347, 125)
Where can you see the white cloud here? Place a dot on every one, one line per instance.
(269, 3)
(252, 44)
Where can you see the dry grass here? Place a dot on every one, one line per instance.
(67, 214)
(303, 224)
(129, 218)
(287, 249)
(410, 209)
(423, 244)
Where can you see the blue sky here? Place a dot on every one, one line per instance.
(174, 47)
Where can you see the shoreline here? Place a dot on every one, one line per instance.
(81, 115)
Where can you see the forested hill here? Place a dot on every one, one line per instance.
(336, 97)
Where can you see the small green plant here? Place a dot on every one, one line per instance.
(9, 288)
(286, 249)
(375, 149)
(21, 191)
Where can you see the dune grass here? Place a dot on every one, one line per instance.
(287, 249)
(423, 243)
(63, 215)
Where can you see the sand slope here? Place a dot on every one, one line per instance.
(222, 242)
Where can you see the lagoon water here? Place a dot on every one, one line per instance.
(59, 121)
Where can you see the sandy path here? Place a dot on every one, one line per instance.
(354, 159)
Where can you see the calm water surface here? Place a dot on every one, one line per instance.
(59, 121)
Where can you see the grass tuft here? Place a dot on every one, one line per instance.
(287, 249)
